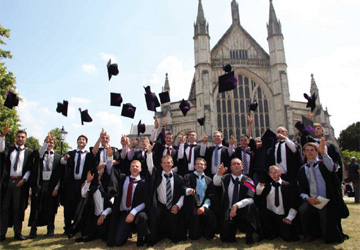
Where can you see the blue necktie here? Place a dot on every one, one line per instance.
(199, 187)
(216, 158)
(236, 191)
(77, 169)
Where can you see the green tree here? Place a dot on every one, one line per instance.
(57, 148)
(348, 154)
(32, 143)
(7, 83)
(350, 137)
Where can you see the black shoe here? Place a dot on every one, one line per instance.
(19, 237)
(49, 233)
(70, 235)
(2, 238)
(140, 242)
(80, 239)
(33, 233)
(249, 241)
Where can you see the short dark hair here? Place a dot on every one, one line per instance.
(21, 132)
(86, 139)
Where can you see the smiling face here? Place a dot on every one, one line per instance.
(81, 142)
(244, 142)
(105, 140)
(167, 163)
(169, 139)
(274, 173)
(135, 168)
(217, 137)
(200, 165)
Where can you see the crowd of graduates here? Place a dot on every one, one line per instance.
(266, 187)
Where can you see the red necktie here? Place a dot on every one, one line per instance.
(168, 151)
(129, 192)
(191, 147)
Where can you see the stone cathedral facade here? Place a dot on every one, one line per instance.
(262, 77)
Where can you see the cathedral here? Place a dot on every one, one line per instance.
(262, 77)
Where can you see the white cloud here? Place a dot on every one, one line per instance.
(106, 57)
(180, 77)
(111, 123)
(29, 114)
(90, 69)
(79, 100)
(335, 74)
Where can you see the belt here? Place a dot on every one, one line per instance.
(15, 177)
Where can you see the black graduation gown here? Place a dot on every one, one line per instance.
(42, 202)
(4, 180)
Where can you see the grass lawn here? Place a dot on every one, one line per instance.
(351, 226)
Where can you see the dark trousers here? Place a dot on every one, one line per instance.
(124, 229)
(356, 184)
(11, 205)
(73, 197)
(164, 224)
(241, 221)
(307, 213)
(202, 225)
(45, 207)
(272, 226)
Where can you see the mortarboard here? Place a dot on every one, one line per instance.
(85, 117)
(311, 101)
(152, 102)
(128, 110)
(115, 99)
(184, 107)
(227, 82)
(308, 126)
(62, 107)
(164, 97)
(112, 69)
(141, 128)
(201, 121)
(253, 106)
(268, 139)
(11, 100)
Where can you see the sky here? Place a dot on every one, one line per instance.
(61, 48)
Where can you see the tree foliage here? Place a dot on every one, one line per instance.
(7, 83)
(350, 137)
(32, 143)
(57, 148)
(348, 154)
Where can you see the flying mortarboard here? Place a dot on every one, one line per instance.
(311, 101)
(62, 107)
(85, 117)
(227, 81)
(201, 121)
(115, 99)
(128, 110)
(253, 106)
(184, 107)
(164, 97)
(141, 128)
(152, 102)
(268, 139)
(11, 100)
(112, 69)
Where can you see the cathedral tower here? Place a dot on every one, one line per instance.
(278, 73)
(203, 94)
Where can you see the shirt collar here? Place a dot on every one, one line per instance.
(234, 176)
(135, 178)
(197, 174)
